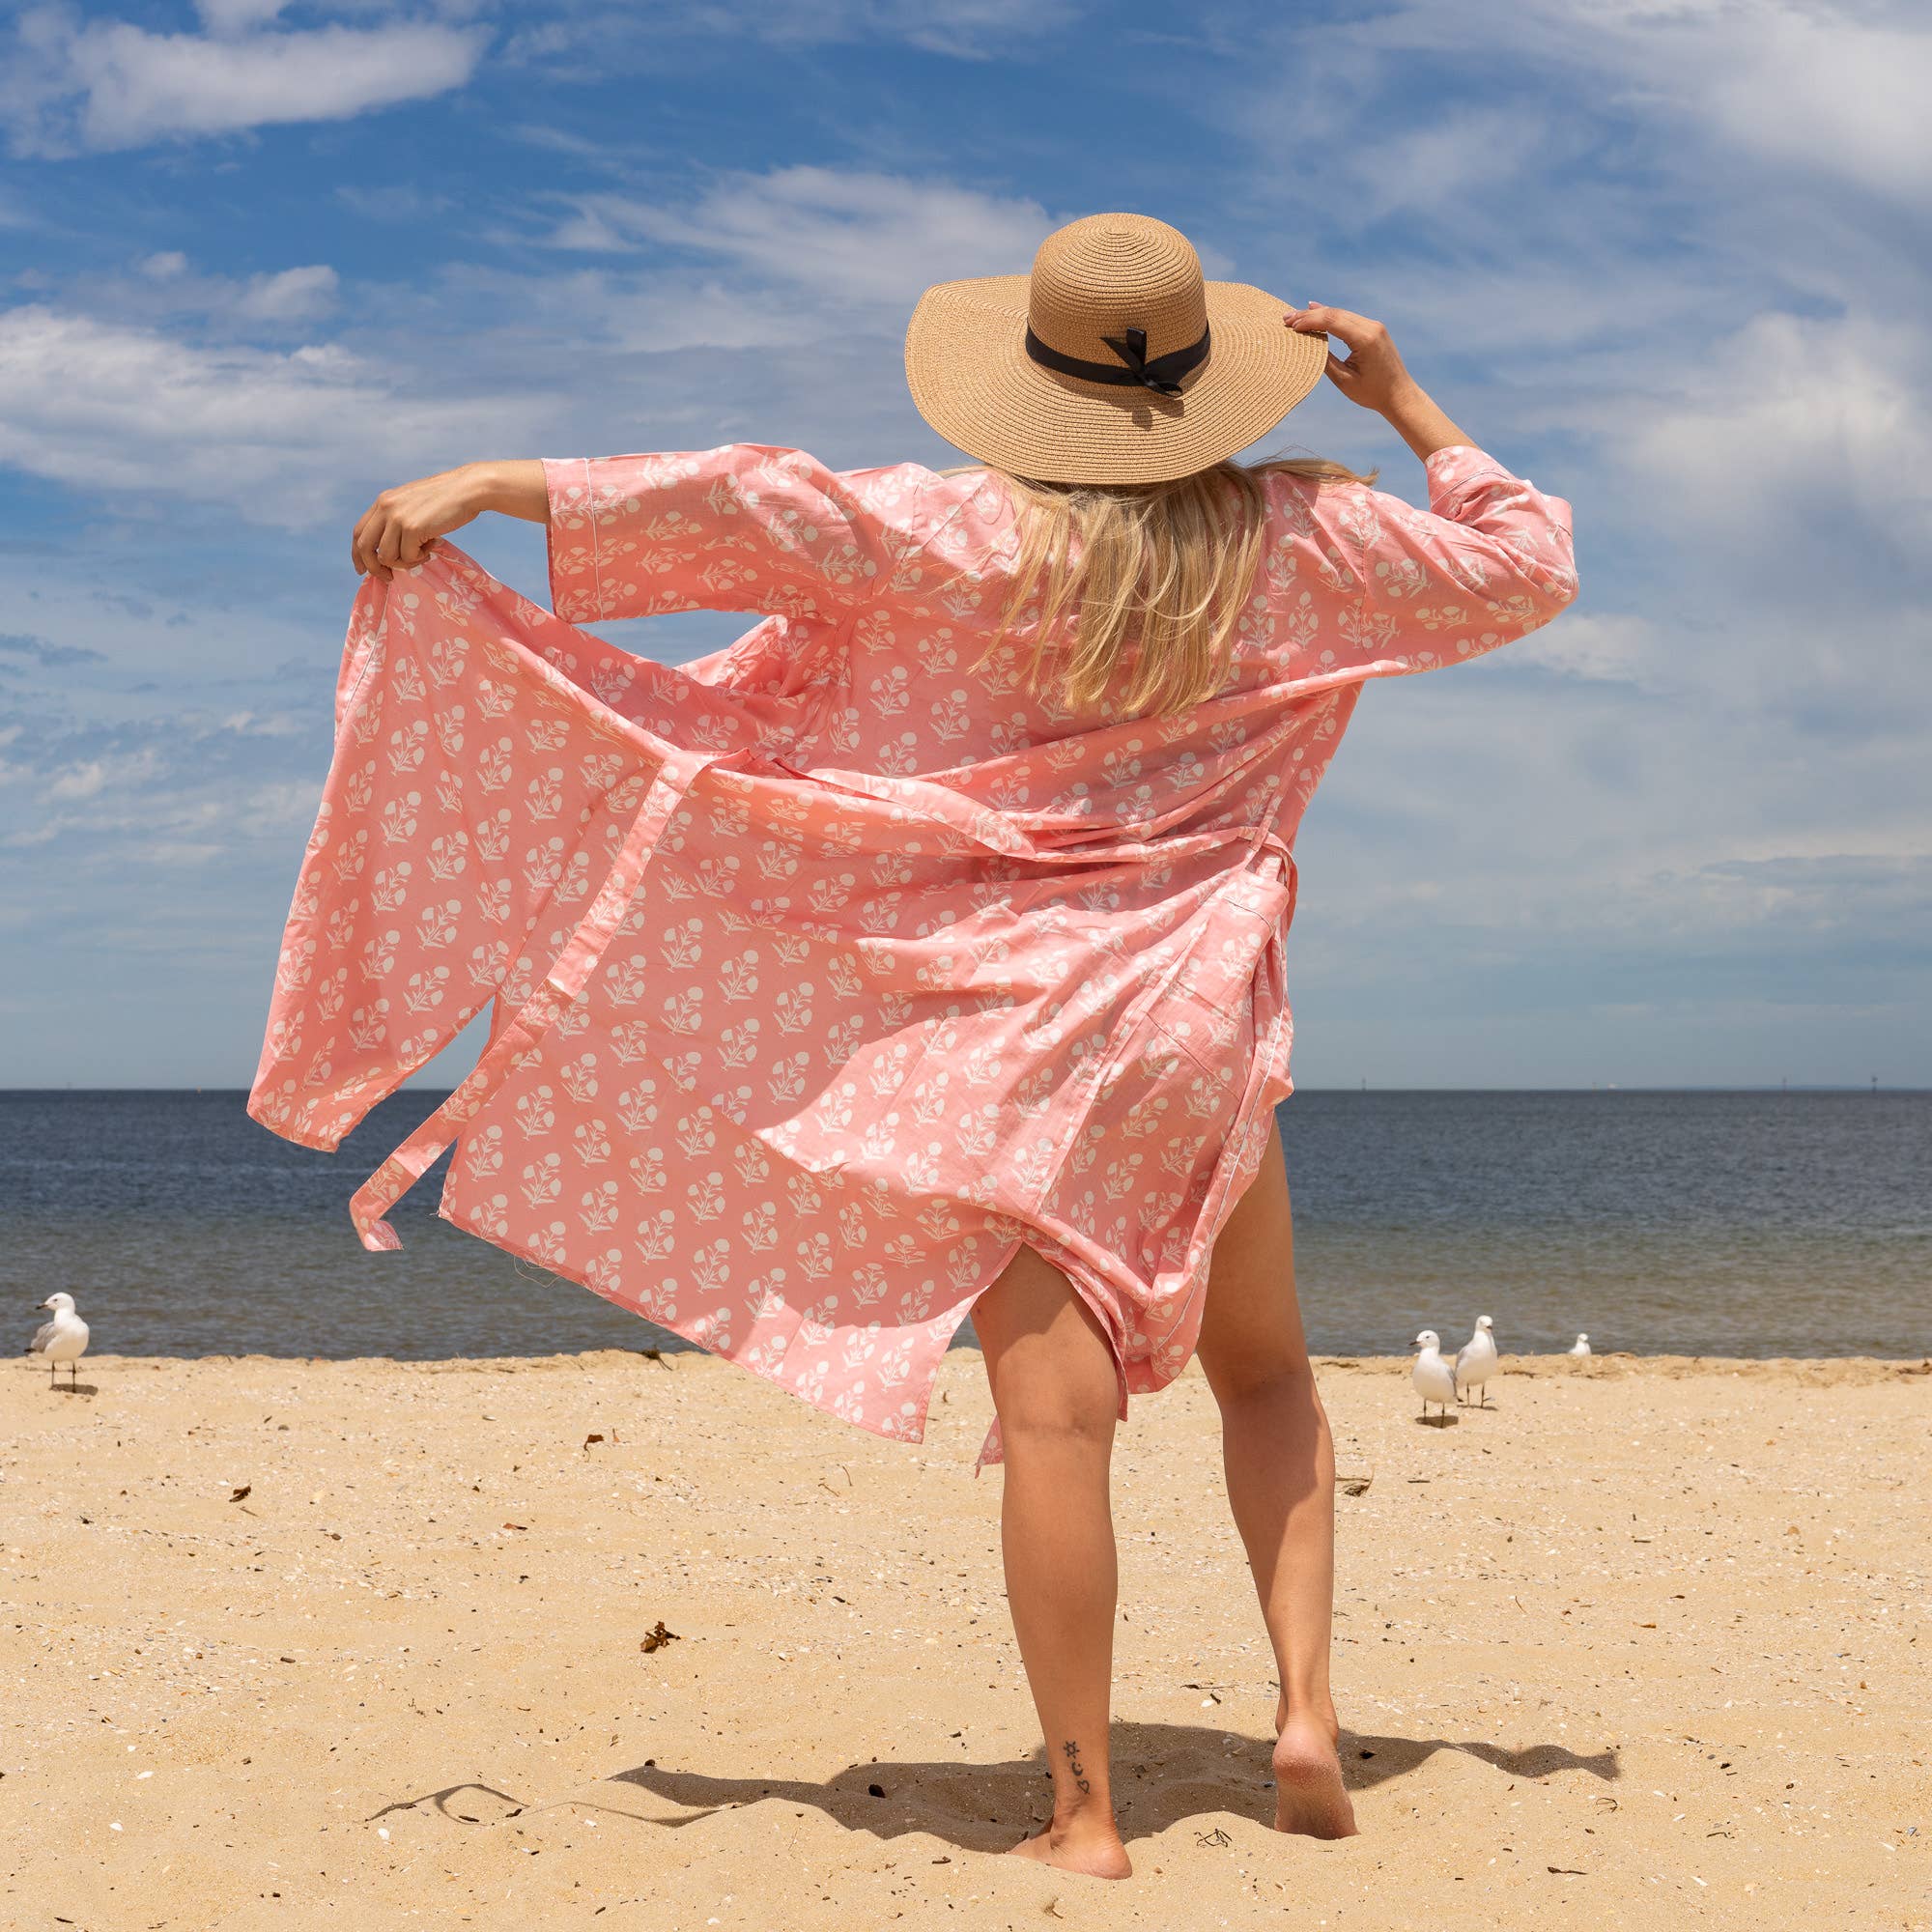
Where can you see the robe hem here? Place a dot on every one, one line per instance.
(286, 1131)
(683, 1331)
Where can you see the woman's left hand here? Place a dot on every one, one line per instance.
(401, 526)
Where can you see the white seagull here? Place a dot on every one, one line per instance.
(1580, 1346)
(1475, 1360)
(1435, 1378)
(64, 1339)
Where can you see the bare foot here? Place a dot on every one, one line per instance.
(1309, 1794)
(1329, 1719)
(1078, 1846)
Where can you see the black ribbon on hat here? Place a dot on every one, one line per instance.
(1162, 374)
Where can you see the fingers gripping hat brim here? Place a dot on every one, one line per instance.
(974, 381)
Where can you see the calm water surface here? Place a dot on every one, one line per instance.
(1741, 1224)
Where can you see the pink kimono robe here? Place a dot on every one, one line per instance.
(828, 969)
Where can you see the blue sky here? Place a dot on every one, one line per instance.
(1667, 260)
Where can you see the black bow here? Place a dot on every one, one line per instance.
(1162, 374)
(1133, 351)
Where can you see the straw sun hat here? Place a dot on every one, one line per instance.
(1113, 362)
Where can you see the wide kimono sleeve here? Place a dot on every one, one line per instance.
(746, 526)
(1490, 559)
(463, 824)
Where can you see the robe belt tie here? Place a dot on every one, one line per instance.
(1275, 842)
(525, 1030)
(524, 1033)
(1269, 840)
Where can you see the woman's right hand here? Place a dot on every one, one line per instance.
(1372, 375)
(401, 526)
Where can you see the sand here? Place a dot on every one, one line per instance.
(1644, 1639)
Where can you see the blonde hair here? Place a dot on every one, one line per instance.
(1164, 573)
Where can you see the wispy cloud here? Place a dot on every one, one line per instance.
(1816, 424)
(295, 295)
(849, 237)
(1603, 647)
(1817, 89)
(1827, 88)
(77, 84)
(106, 406)
(973, 29)
(776, 266)
(48, 656)
(168, 285)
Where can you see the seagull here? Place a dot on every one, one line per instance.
(1580, 1346)
(64, 1339)
(1475, 1359)
(1435, 1378)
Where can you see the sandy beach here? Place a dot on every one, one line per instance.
(374, 1644)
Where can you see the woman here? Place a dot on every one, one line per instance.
(943, 913)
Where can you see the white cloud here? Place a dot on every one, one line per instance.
(966, 29)
(1788, 424)
(806, 259)
(292, 295)
(79, 781)
(169, 286)
(849, 237)
(108, 407)
(1818, 88)
(1445, 163)
(256, 725)
(234, 16)
(107, 84)
(1600, 647)
(961, 29)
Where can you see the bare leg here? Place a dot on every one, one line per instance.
(1054, 1385)
(1280, 1465)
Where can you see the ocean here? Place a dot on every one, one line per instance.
(1753, 1223)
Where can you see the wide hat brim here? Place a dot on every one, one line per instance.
(973, 381)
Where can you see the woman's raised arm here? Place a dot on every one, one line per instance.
(398, 530)
(745, 527)
(1492, 558)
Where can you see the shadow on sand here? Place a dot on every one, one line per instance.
(1163, 1775)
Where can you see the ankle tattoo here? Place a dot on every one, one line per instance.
(1071, 1751)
